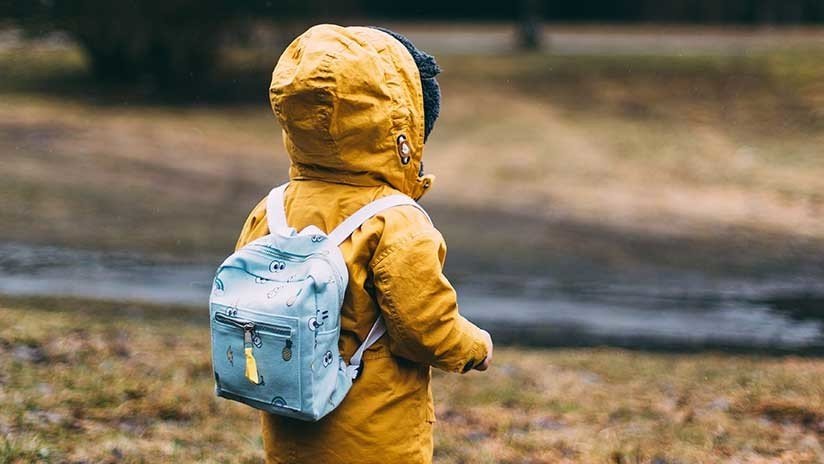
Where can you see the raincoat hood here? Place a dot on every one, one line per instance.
(350, 102)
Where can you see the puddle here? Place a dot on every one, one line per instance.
(677, 312)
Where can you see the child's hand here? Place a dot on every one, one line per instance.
(488, 360)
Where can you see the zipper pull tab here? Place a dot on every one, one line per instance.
(248, 328)
(251, 364)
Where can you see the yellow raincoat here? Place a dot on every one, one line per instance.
(347, 98)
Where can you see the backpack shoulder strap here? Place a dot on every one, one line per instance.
(275, 212)
(375, 333)
(345, 229)
(341, 233)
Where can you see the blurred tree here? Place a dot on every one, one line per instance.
(168, 41)
(530, 25)
(171, 43)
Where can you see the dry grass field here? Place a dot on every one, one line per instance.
(99, 382)
(720, 152)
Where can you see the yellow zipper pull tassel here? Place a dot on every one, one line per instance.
(251, 364)
(251, 367)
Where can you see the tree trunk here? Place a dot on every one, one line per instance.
(529, 27)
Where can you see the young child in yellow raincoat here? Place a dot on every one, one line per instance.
(356, 105)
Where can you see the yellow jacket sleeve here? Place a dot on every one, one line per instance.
(420, 306)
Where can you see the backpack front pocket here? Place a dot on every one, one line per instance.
(256, 357)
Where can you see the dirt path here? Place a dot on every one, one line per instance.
(565, 39)
(612, 39)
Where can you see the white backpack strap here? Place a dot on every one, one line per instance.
(275, 212)
(376, 332)
(345, 229)
(341, 233)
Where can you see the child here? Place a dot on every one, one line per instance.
(356, 105)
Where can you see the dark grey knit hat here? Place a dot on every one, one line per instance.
(428, 69)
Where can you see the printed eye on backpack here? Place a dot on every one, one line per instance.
(275, 316)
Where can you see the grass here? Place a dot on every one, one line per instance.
(88, 381)
(682, 145)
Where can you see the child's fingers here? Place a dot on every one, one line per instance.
(484, 365)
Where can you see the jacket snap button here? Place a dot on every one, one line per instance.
(404, 150)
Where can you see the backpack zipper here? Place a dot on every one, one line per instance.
(251, 327)
(267, 250)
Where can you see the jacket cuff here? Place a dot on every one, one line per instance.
(478, 352)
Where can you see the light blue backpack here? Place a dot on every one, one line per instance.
(275, 316)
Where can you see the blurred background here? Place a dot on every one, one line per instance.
(632, 193)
